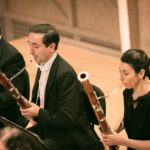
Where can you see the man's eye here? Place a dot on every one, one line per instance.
(126, 74)
(36, 47)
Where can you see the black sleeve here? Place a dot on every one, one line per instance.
(12, 67)
(69, 95)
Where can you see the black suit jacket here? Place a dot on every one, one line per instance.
(11, 62)
(64, 114)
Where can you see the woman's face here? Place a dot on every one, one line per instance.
(129, 78)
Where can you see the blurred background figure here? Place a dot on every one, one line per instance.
(11, 62)
(14, 139)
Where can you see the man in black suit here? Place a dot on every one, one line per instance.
(60, 111)
(11, 62)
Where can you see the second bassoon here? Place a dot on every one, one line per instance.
(98, 111)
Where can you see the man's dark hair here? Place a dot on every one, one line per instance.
(50, 33)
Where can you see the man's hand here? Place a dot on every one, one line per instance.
(32, 111)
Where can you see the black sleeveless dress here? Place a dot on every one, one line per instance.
(137, 120)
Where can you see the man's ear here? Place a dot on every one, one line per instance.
(52, 46)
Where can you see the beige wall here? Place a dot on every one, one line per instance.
(92, 21)
(144, 20)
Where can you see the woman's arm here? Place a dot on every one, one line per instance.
(118, 139)
(138, 144)
(119, 126)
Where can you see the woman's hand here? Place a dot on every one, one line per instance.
(112, 139)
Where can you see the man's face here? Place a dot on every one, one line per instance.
(39, 51)
(2, 146)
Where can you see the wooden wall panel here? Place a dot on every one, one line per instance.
(93, 21)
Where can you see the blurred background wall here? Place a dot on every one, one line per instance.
(92, 21)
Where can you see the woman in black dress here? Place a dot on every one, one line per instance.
(134, 74)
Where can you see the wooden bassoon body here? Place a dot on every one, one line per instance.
(98, 111)
(20, 99)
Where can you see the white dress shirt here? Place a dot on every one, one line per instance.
(45, 70)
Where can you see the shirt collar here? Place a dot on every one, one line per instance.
(46, 67)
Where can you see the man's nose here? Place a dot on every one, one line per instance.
(31, 50)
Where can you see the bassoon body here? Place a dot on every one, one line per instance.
(20, 99)
(98, 111)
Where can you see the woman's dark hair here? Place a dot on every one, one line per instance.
(50, 33)
(138, 59)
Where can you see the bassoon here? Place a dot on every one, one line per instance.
(97, 108)
(20, 99)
